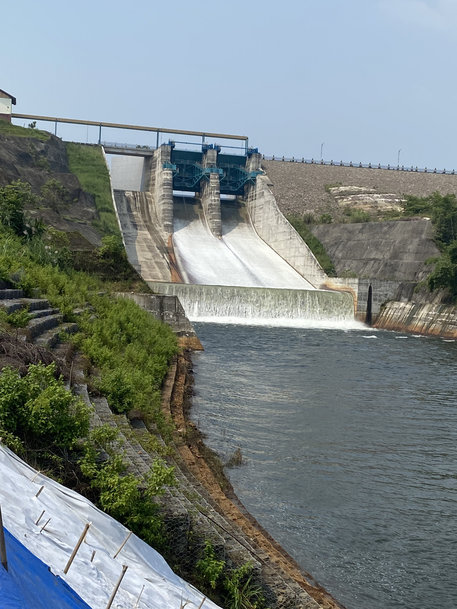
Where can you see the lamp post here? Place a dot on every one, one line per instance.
(398, 158)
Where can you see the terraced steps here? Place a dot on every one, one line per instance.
(45, 327)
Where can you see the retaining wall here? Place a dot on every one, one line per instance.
(430, 319)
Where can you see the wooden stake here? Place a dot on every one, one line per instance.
(3, 559)
(93, 556)
(40, 517)
(123, 544)
(201, 604)
(77, 546)
(138, 599)
(45, 524)
(39, 491)
(116, 587)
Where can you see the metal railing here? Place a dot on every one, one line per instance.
(358, 165)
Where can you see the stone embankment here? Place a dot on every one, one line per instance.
(301, 187)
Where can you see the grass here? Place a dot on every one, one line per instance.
(314, 244)
(88, 164)
(10, 129)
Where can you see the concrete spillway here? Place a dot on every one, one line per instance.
(239, 258)
(262, 306)
(237, 278)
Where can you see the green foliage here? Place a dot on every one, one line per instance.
(313, 243)
(127, 498)
(13, 199)
(19, 318)
(442, 209)
(10, 129)
(356, 216)
(54, 194)
(88, 164)
(132, 351)
(241, 592)
(209, 567)
(37, 409)
(325, 219)
(108, 261)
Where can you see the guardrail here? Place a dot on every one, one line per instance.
(358, 165)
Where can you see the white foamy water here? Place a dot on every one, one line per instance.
(239, 258)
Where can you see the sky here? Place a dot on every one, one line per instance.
(353, 80)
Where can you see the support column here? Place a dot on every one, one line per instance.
(253, 164)
(158, 179)
(210, 193)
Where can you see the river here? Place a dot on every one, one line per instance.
(349, 445)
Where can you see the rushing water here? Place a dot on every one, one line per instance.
(350, 448)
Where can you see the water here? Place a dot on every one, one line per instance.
(239, 258)
(350, 448)
(240, 304)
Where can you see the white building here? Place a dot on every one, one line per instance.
(7, 102)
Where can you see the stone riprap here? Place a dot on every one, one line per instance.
(300, 187)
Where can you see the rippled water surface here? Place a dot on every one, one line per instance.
(350, 448)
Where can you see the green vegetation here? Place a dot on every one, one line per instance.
(313, 243)
(234, 586)
(10, 129)
(442, 210)
(87, 163)
(125, 497)
(127, 353)
(37, 413)
(355, 216)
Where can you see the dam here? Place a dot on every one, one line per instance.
(204, 226)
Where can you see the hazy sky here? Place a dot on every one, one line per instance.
(359, 79)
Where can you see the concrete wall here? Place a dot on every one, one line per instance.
(381, 292)
(275, 230)
(126, 172)
(395, 251)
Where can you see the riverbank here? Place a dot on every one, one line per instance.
(291, 586)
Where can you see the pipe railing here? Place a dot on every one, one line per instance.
(358, 165)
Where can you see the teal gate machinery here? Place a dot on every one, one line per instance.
(189, 170)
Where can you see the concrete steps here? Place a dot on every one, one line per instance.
(52, 336)
(46, 326)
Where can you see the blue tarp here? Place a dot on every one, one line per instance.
(9, 595)
(29, 584)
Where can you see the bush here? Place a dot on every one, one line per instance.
(209, 567)
(13, 199)
(313, 243)
(38, 411)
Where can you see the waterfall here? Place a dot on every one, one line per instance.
(262, 306)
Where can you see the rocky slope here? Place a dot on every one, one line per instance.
(39, 162)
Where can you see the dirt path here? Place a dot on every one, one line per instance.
(201, 463)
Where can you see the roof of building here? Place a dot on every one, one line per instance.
(13, 99)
